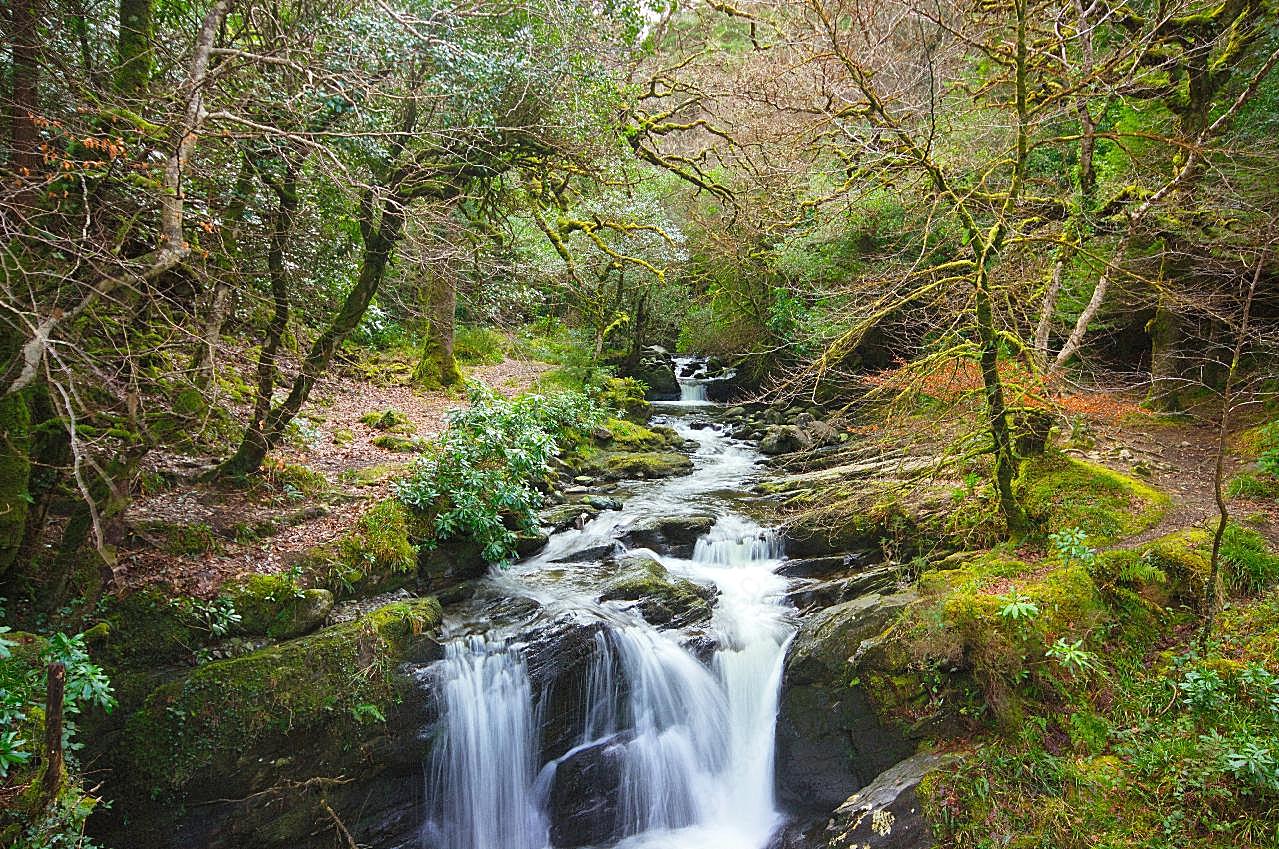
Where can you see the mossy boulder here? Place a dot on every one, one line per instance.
(622, 465)
(1062, 492)
(399, 444)
(276, 606)
(150, 627)
(831, 740)
(390, 420)
(661, 598)
(887, 813)
(624, 435)
(251, 751)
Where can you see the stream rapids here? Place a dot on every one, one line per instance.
(684, 718)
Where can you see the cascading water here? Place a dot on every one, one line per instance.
(692, 733)
(692, 375)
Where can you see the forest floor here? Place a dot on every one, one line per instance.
(218, 539)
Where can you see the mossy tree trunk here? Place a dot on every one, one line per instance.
(1166, 337)
(437, 367)
(135, 58)
(15, 474)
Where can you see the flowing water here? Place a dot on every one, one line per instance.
(693, 731)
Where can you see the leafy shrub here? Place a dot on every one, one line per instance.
(378, 329)
(483, 470)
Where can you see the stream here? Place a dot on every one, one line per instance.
(677, 722)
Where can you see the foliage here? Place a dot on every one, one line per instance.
(482, 472)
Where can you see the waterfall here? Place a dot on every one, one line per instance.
(481, 787)
(691, 733)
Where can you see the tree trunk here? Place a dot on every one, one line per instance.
(55, 696)
(1166, 334)
(997, 415)
(437, 367)
(380, 239)
(24, 96)
(1208, 598)
(134, 55)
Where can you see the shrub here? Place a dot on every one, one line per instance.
(478, 345)
(1250, 567)
(484, 468)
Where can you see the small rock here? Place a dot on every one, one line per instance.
(784, 439)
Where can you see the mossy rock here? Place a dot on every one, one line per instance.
(619, 465)
(374, 556)
(663, 599)
(227, 720)
(623, 435)
(1062, 492)
(179, 538)
(398, 444)
(149, 627)
(390, 420)
(276, 606)
(625, 396)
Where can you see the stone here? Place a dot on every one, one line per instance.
(564, 516)
(602, 502)
(821, 594)
(822, 433)
(661, 598)
(673, 535)
(784, 439)
(886, 814)
(618, 465)
(559, 657)
(585, 795)
(830, 741)
(827, 565)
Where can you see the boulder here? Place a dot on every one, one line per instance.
(585, 794)
(830, 739)
(564, 516)
(822, 433)
(246, 752)
(559, 657)
(827, 565)
(620, 465)
(784, 439)
(886, 814)
(275, 606)
(661, 598)
(673, 535)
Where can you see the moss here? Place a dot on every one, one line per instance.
(400, 444)
(149, 627)
(370, 475)
(1249, 566)
(624, 435)
(343, 436)
(15, 472)
(389, 420)
(478, 345)
(663, 598)
(1061, 492)
(614, 465)
(276, 605)
(180, 539)
(1253, 485)
(376, 555)
(625, 397)
(230, 716)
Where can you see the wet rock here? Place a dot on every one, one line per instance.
(565, 516)
(673, 535)
(838, 590)
(662, 599)
(559, 658)
(784, 439)
(886, 814)
(602, 502)
(830, 741)
(448, 564)
(585, 795)
(586, 555)
(828, 565)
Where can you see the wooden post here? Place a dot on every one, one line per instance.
(53, 730)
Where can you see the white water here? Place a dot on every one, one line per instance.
(697, 763)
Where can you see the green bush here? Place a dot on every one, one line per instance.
(485, 466)
(1250, 567)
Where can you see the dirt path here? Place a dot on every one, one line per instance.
(219, 527)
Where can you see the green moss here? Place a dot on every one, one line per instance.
(370, 475)
(615, 465)
(276, 605)
(343, 436)
(400, 444)
(1253, 485)
(15, 471)
(628, 436)
(390, 420)
(193, 539)
(149, 627)
(1061, 492)
(375, 556)
(625, 397)
(222, 714)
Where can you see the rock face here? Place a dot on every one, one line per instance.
(886, 814)
(585, 795)
(248, 752)
(662, 599)
(830, 742)
(673, 535)
(657, 370)
(558, 658)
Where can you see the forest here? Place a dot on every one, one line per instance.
(575, 424)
